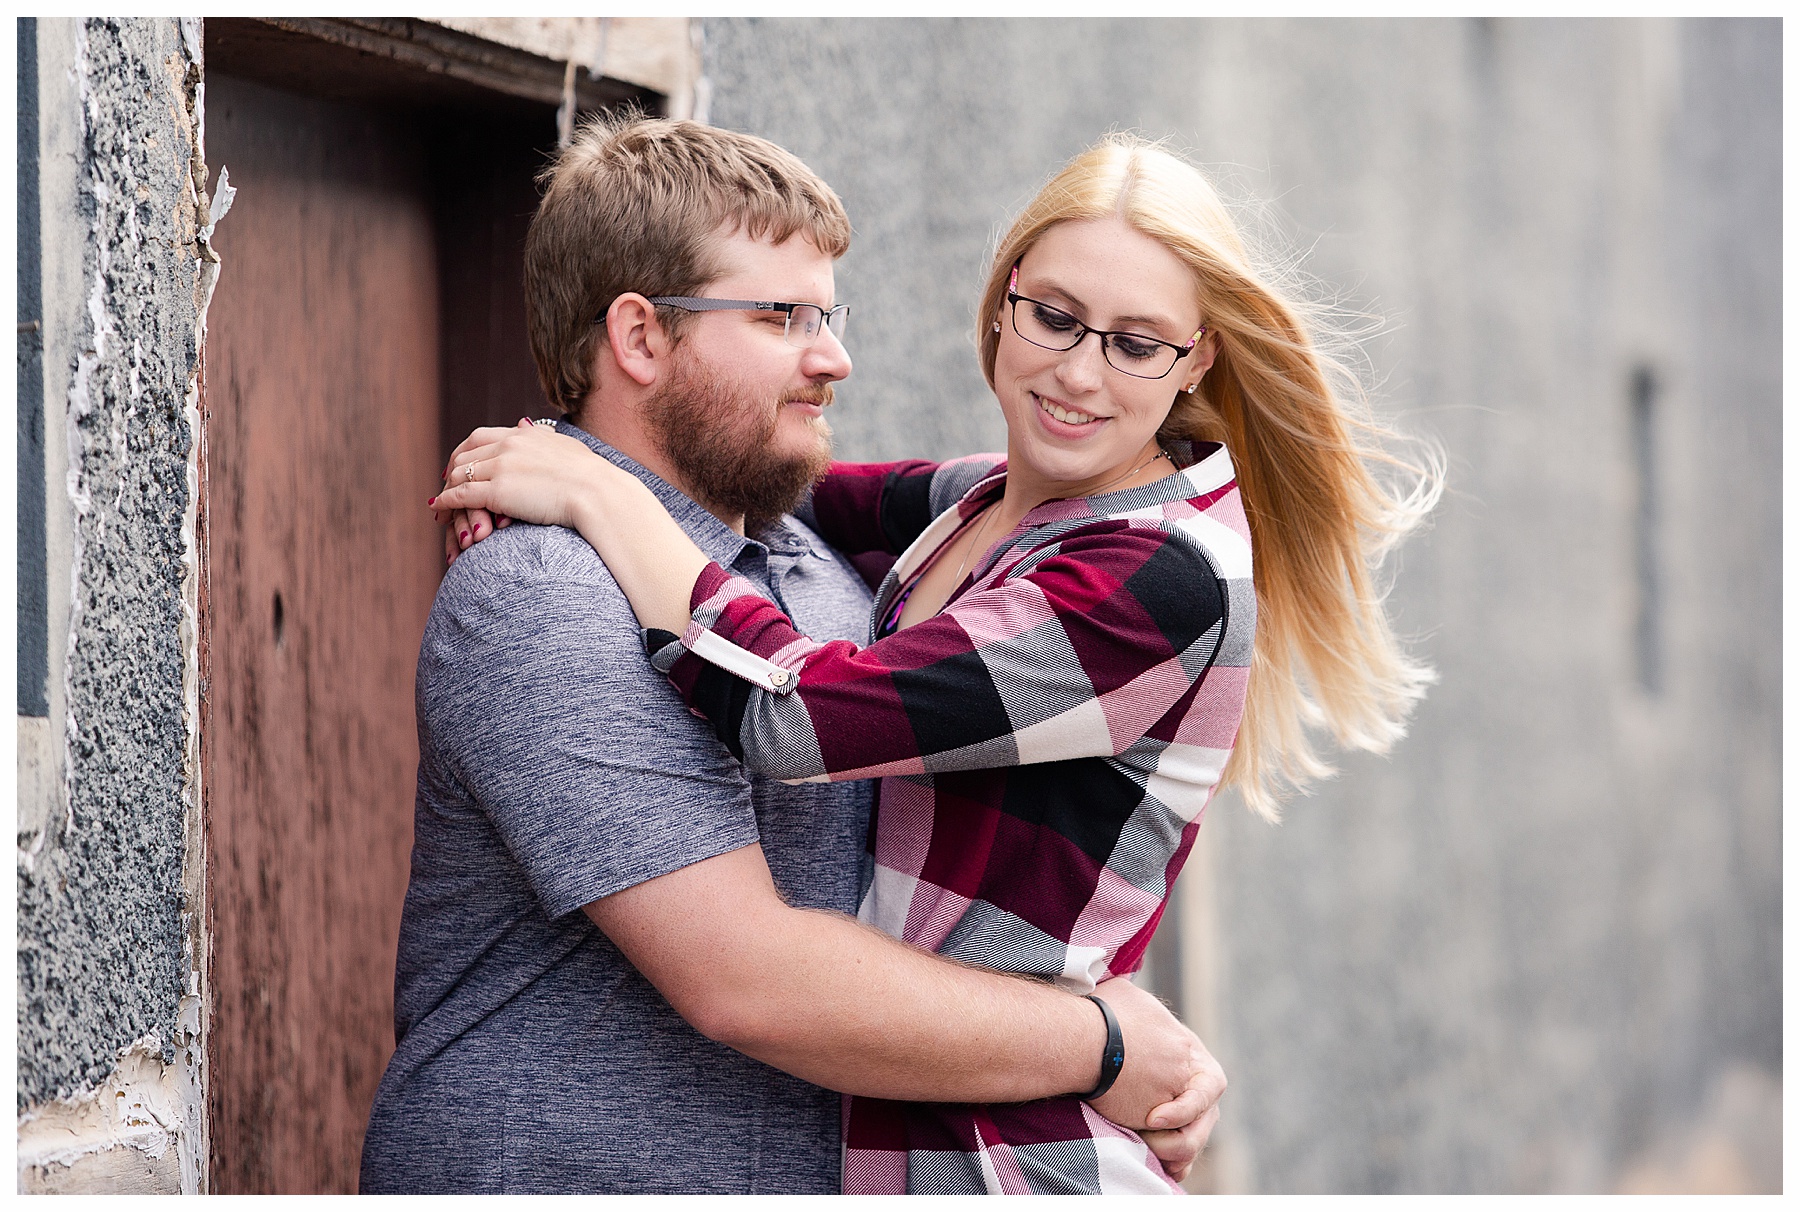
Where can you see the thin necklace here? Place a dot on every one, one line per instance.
(1160, 454)
(995, 508)
(975, 545)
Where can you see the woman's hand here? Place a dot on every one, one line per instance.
(534, 475)
(498, 474)
(463, 528)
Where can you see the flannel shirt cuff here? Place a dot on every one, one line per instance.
(663, 648)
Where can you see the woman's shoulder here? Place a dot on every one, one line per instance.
(954, 479)
(1125, 547)
(1200, 505)
(1198, 513)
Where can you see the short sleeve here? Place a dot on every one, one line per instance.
(597, 777)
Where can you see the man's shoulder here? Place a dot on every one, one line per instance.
(520, 559)
(519, 573)
(529, 595)
(538, 709)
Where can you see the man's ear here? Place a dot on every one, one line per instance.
(640, 344)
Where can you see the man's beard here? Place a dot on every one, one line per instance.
(718, 436)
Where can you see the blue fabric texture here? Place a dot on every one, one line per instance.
(557, 767)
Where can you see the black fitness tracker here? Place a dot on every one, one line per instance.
(1113, 1058)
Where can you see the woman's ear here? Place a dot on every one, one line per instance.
(1200, 361)
(639, 343)
(1203, 355)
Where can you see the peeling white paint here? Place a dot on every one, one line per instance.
(145, 1105)
(222, 198)
(191, 37)
(193, 570)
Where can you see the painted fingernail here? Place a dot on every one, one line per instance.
(432, 501)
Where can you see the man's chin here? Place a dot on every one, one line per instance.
(785, 480)
(733, 456)
(817, 429)
(807, 444)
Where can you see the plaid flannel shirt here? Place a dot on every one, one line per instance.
(1046, 745)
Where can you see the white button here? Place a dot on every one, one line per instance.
(779, 677)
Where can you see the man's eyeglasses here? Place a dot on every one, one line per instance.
(1132, 353)
(804, 320)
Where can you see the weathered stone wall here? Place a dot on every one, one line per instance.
(1538, 948)
(110, 954)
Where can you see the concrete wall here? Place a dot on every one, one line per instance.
(110, 951)
(1538, 948)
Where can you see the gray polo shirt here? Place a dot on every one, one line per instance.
(555, 768)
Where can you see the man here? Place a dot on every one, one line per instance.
(624, 964)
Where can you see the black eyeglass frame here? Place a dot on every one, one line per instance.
(826, 314)
(1014, 298)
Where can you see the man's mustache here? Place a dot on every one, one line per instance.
(820, 394)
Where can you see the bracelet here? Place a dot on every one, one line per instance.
(1113, 1058)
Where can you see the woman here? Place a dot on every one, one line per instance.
(1071, 659)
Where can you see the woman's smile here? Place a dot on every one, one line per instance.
(1069, 417)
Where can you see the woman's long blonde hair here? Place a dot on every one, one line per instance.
(1325, 492)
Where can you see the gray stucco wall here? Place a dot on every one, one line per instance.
(105, 927)
(1522, 951)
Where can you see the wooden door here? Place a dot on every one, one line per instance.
(369, 312)
(322, 426)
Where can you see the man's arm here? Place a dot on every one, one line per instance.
(647, 823)
(842, 1005)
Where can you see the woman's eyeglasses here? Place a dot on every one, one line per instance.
(1131, 353)
(804, 320)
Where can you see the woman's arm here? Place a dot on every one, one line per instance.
(1075, 656)
(1080, 656)
(883, 507)
(855, 507)
(536, 475)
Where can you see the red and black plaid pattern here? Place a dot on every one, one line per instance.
(1047, 744)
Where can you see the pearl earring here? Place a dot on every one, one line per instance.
(996, 326)
(1191, 388)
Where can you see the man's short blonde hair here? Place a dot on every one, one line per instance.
(638, 204)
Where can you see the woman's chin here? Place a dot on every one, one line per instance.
(1063, 471)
